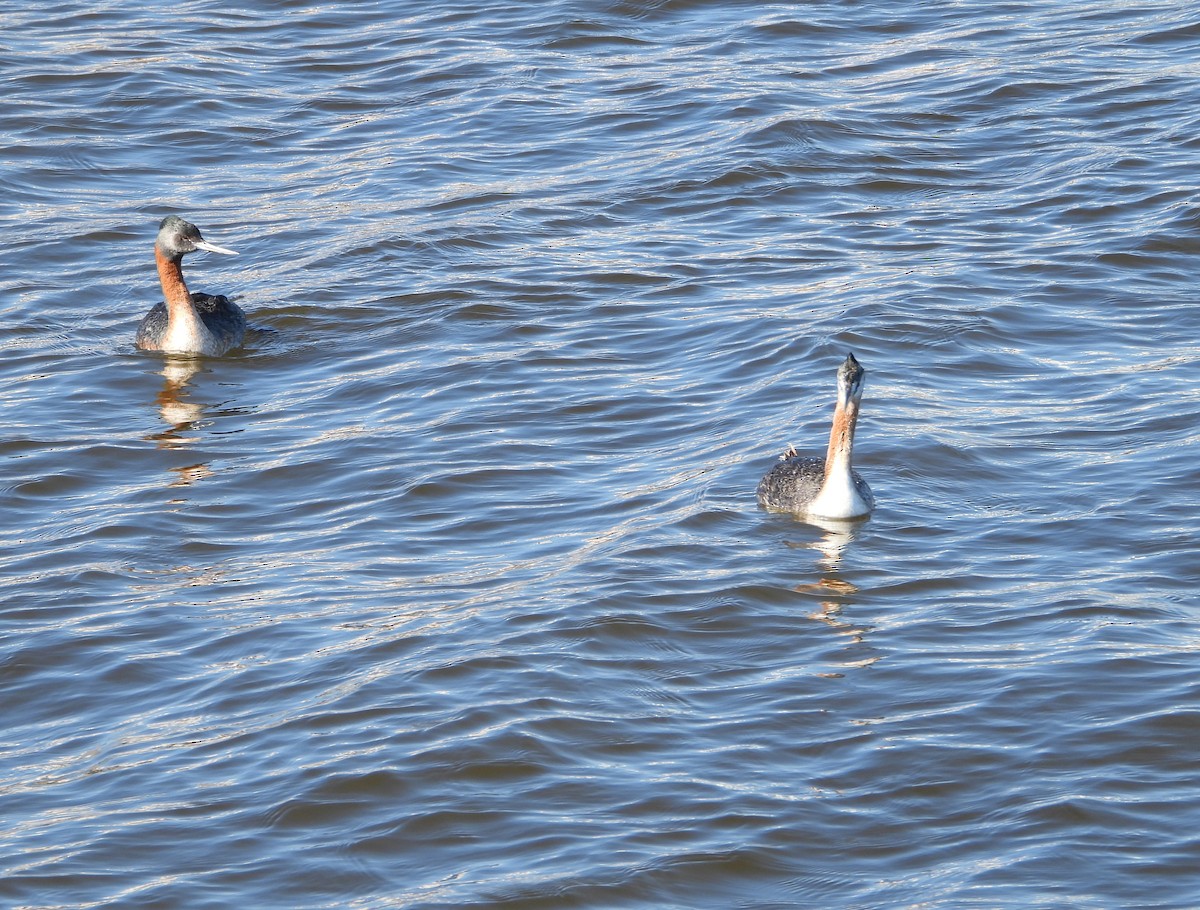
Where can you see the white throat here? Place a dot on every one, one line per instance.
(839, 496)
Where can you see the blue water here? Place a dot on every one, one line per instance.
(450, 589)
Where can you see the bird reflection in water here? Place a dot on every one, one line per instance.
(831, 590)
(180, 414)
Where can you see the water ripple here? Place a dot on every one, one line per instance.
(450, 588)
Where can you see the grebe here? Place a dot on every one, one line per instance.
(188, 323)
(828, 487)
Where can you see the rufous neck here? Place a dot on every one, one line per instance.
(841, 437)
(170, 274)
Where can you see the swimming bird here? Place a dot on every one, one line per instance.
(184, 323)
(824, 487)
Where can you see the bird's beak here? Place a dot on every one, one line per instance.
(212, 247)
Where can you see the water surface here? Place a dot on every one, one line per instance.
(450, 589)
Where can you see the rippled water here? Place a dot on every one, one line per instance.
(450, 589)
